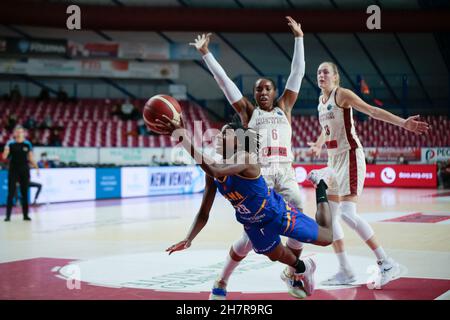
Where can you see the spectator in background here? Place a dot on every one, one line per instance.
(444, 174)
(142, 128)
(35, 141)
(47, 123)
(30, 123)
(155, 161)
(55, 138)
(401, 159)
(11, 122)
(127, 110)
(62, 95)
(57, 163)
(162, 161)
(136, 114)
(45, 162)
(15, 95)
(116, 111)
(44, 95)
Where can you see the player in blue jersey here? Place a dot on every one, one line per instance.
(264, 213)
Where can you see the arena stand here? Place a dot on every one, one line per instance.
(89, 122)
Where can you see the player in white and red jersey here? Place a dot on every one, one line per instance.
(271, 118)
(347, 167)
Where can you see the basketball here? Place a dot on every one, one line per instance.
(160, 105)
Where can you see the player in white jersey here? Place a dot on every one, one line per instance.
(348, 168)
(272, 119)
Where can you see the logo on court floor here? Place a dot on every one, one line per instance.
(196, 270)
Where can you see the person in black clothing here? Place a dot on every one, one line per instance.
(19, 151)
(31, 184)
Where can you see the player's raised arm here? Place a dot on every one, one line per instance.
(348, 98)
(200, 219)
(234, 96)
(293, 83)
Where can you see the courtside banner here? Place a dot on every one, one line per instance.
(64, 184)
(151, 181)
(176, 180)
(378, 175)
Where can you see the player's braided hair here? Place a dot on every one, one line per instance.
(247, 137)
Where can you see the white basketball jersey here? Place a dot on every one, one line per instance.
(275, 135)
(338, 125)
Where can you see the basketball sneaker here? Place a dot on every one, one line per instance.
(389, 270)
(295, 288)
(219, 291)
(321, 174)
(341, 278)
(307, 277)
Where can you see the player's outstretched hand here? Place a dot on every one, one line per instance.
(170, 125)
(418, 127)
(182, 245)
(201, 43)
(315, 149)
(295, 27)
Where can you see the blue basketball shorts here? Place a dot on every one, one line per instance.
(291, 223)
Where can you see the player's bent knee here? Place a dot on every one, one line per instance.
(294, 244)
(325, 237)
(241, 247)
(358, 224)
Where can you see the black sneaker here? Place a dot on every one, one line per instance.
(7, 219)
(27, 218)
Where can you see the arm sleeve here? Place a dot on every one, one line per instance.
(228, 87)
(297, 67)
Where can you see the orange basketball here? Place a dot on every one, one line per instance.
(160, 105)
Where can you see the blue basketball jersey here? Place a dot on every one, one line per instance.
(252, 199)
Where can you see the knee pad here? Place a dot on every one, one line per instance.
(294, 244)
(354, 221)
(243, 246)
(338, 233)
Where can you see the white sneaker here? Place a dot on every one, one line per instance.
(321, 174)
(389, 270)
(341, 278)
(307, 277)
(295, 288)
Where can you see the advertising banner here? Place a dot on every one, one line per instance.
(108, 183)
(91, 68)
(3, 187)
(93, 50)
(412, 176)
(176, 180)
(145, 51)
(64, 184)
(432, 155)
(80, 155)
(183, 51)
(135, 181)
(35, 46)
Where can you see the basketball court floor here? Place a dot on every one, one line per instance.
(115, 249)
